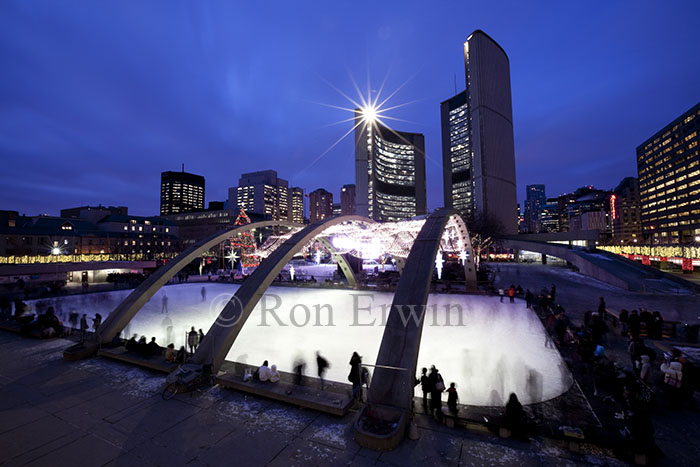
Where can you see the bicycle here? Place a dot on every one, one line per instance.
(187, 378)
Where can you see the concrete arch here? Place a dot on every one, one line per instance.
(342, 262)
(391, 389)
(127, 309)
(222, 334)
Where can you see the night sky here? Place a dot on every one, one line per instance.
(97, 98)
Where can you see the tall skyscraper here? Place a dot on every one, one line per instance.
(347, 200)
(320, 205)
(262, 193)
(297, 198)
(478, 152)
(535, 200)
(181, 192)
(668, 165)
(389, 171)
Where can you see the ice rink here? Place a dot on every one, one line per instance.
(489, 349)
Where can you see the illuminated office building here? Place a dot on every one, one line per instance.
(389, 171)
(320, 205)
(181, 192)
(262, 193)
(668, 165)
(478, 151)
(297, 199)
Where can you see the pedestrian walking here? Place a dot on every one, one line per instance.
(501, 294)
(511, 293)
(322, 365)
(164, 304)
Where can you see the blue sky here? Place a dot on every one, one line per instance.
(97, 98)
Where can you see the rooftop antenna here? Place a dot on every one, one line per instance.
(183, 164)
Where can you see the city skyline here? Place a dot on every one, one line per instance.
(84, 108)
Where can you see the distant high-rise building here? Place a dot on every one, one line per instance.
(389, 171)
(297, 198)
(347, 200)
(181, 192)
(457, 158)
(534, 202)
(668, 166)
(261, 193)
(320, 205)
(478, 152)
(584, 200)
(625, 212)
(549, 216)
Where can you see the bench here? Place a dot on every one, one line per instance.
(334, 400)
(155, 362)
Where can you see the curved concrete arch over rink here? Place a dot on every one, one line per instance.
(500, 347)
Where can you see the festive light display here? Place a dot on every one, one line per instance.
(245, 243)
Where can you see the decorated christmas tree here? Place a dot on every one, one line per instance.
(245, 243)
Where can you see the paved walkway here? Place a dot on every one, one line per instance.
(101, 412)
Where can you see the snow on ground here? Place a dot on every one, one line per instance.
(489, 349)
(132, 380)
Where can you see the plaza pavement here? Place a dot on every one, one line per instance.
(99, 412)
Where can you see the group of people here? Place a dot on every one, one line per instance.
(48, 323)
(266, 373)
(432, 384)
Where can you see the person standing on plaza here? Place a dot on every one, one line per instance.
(83, 327)
(192, 340)
(602, 311)
(322, 365)
(425, 386)
(452, 399)
(355, 376)
(164, 304)
(511, 293)
(501, 294)
(437, 385)
(528, 298)
(96, 321)
(204, 293)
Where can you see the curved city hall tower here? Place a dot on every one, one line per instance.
(477, 137)
(389, 171)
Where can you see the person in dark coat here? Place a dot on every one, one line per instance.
(96, 321)
(322, 365)
(602, 310)
(437, 385)
(355, 376)
(131, 344)
(515, 416)
(452, 399)
(528, 298)
(425, 387)
(153, 348)
(83, 327)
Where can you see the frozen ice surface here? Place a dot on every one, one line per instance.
(493, 350)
